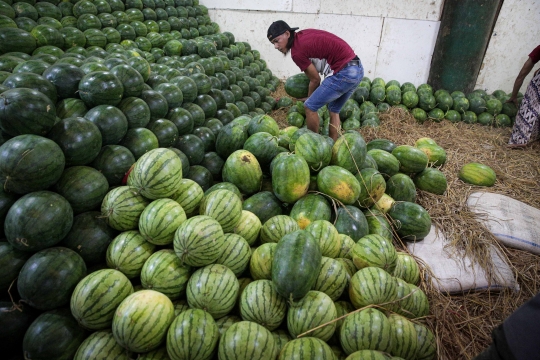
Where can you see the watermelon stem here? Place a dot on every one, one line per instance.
(16, 306)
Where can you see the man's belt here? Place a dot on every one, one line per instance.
(352, 63)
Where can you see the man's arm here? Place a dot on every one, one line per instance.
(314, 78)
(525, 70)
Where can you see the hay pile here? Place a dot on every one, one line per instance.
(463, 323)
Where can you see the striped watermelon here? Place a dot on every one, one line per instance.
(290, 178)
(260, 303)
(346, 244)
(349, 267)
(431, 180)
(411, 159)
(243, 170)
(339, 183)
(282, 337)
(159, 221)
(349, 151)
(374, 250)
(342, 308)
(314, 309)
(332, 279)
(418, 306)
(225, 322)
(199, 241)
(164, 272)
(128, 252)
(130, 323)
(426, 348)
(260, 264)
(276, 227)
(403, 300)
(367, 329)
(247, 340)
(378, 224)
(248, 227)
(213, 288)
(296, 264)
(157, 354)
(372, 186)
(372, 286)
(404, 337)
(122, 208)
(189, 195)
(411, 221)
(236, 253)
(156, 174)
(97, 296)
(326, 235)
(101, 344)
(307, 348)
(224, 206)
(185, 339)
(310, 208)
(368, 355)
(407, 268)
(180, 305)
(314, 149)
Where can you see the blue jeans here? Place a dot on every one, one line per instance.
(335, 90)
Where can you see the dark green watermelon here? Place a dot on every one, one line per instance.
(11, 261)
(182, 119)
(201, 176)
(26, 111)
(351, 221)
(30, 163)
(38, 220)
(264, 205)
(90, 237)
(111, 121)
(48, 277)
(101, 88)
(83, 187)
(165, 131)
(192, 146)
(79, 139)
(139, 141)
(136, 111)
(114, 161)
(156, 103)
(53, 335)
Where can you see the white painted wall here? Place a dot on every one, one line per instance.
(393, 38)
(516, 34)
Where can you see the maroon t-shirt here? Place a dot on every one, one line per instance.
(320, 44)
(535, 55)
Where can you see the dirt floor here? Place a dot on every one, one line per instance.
(463, 323)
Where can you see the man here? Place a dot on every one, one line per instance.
(320, 52)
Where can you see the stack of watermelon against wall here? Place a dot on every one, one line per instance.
(144, 183)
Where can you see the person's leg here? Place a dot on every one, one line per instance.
(335, 125)
(312, 120)
(351, 77)
(331, 90)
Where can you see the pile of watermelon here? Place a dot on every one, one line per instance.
(375, 96)
(151, 208)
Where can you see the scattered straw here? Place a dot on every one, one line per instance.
(463, 323)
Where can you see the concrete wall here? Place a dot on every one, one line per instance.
(393, 38)
(516, 34)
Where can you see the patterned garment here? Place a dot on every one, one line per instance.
(527, 124)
